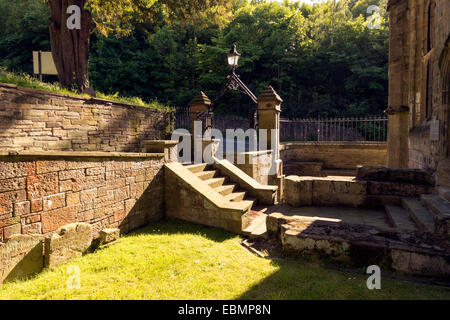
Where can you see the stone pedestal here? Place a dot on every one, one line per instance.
(269, 109)
(398, 131)
(200, 111)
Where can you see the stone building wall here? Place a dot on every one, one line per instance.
(419, 77)
(41, 192)
(34, 120)
(335, 155)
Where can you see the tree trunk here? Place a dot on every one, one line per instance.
(70, 48)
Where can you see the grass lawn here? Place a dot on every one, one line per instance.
(177, 260)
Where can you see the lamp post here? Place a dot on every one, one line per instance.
(235, 83)
(233, 58)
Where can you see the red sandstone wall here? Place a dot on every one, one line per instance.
(40, 193)
(36, 120)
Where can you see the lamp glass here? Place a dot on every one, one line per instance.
(233, 60)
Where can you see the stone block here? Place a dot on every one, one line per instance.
(22, 208)
(397, 189)
(67, 243)
(420, 263)
(298, 191)
(54, 201)
(21, 256)
(293, 242)
(10, 169)
(328, 192)
(42, 185)
(37, 205)
(109, 235)
(12, 184)
(71, 174)
(411, 176)
(33, 228)
(52, 220)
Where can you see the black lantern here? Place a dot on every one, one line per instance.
(233, 57)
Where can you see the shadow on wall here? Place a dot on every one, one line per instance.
(148, 208)
(31, 264)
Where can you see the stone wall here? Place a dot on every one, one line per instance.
(35, 120)
(419, 82)
(335, 155)
(41, 192)
(372, 187)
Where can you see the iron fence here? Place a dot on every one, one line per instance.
(367, 129)
(183, 121)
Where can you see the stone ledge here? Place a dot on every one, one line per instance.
(159, 146)
(79, 154)
(266, 194)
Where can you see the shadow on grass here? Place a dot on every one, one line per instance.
(179, 227)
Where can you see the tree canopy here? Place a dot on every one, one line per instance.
(325, 59)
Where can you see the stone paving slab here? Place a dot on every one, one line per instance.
(372, 217)
(399, 218)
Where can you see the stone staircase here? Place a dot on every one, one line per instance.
(221, 184)
(232, 192)
(428, 214)
(218, 195)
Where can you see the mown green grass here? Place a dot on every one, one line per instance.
(27, 81)
(177, 260)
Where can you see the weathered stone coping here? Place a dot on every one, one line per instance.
(265, 194)
(159, 146)
(349, 144)
(88, 100)
(206, 191)
(79, 154)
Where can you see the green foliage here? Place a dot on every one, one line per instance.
(27, 81)
(23, 29)
(323, 59)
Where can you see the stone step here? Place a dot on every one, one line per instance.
(225, 190)
(215, 182)
(206, 175)
(248, 202)
(339, 172)
(194, 168)
(423, 218)
(235, 196)
(257, 227)
(436, 204)
(254, 200)
(399, 218)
